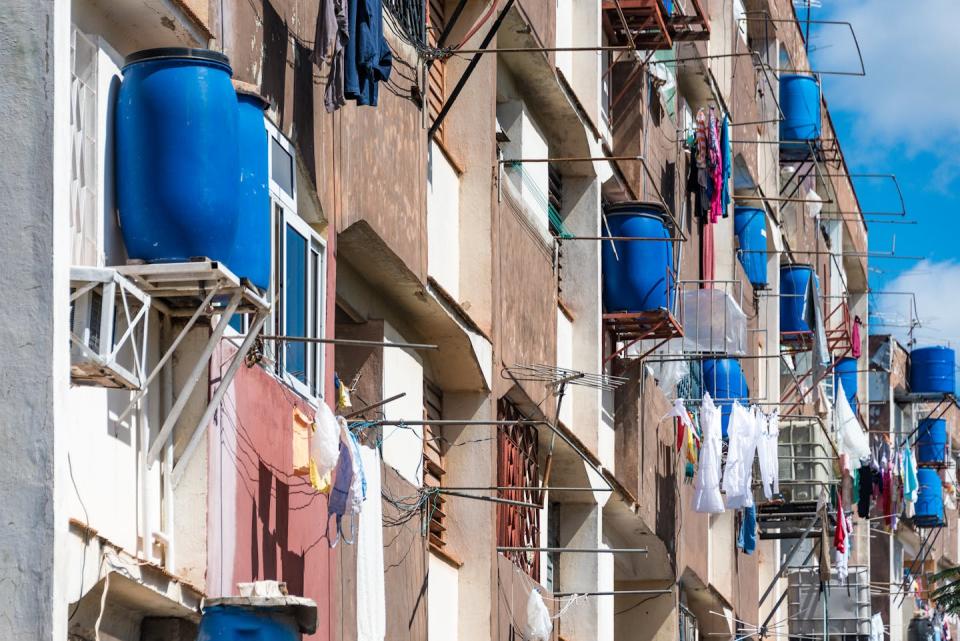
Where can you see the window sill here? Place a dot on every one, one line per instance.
(446, 557)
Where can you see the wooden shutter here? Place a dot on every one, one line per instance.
(436, 82)
(434, 449)
(517, 466)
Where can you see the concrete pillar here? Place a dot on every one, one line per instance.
(34, 179)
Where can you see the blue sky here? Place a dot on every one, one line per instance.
(903, 118)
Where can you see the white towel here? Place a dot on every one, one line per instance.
(371, 595)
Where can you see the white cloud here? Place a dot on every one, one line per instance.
(910, 96)
(936, 287)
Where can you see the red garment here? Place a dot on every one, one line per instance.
(681, 432)
(855, 348)
(840, 533)
(706, 241)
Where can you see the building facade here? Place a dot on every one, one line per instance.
(443, 275)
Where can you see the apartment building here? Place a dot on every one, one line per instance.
(534, 230)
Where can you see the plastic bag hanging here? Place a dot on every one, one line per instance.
(539, 625)
(324, 447)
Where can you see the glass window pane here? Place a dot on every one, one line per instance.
(315, 302)
(295, 305)
(281, 167)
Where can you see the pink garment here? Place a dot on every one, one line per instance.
(855, 344)
(716, 169)
(706, 241)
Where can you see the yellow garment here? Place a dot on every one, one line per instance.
(343, 396)
(320, 483)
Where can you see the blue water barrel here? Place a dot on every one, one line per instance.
(800, 103)
(928, 511)
(285, 618)
(251, 255)
(847, 374)
(932, 441)
(933, 370)
(668, 5)
(639, 277)
(177, 160)
(750, 225)
(794, 280)
(227, 623)
(723, 378)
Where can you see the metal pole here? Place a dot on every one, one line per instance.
(611, 593)
(215, 400)
(624, 238)
(568, 159)
(374, 405)
(490, 499)
(786, 561)
(575, 550)
(452, 422)
(166, 356)
(192, 379)
(496, 488)
(542, 49)
(341, 341)
(487, 39)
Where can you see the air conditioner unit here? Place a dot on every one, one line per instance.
(108, 329)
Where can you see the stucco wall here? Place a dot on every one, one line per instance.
(34, 59)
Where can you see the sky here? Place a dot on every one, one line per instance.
(902, 118)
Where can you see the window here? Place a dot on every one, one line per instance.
(518, 467)
(434, 460)
(298, 281)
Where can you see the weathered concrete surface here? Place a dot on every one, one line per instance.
(34, 58)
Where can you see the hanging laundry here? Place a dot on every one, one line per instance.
(706, 487)
(840, 534)
(371, 590)
(738, 472)
(339, 503)
(768, 452)
(823, 551)
(324, 448)
(842, 538)
(716, 168)
(856, 345)
(911, 485)
(707, 260)
(679, 412)
(693, 445)
(747, 537)
(358, 490)
(701, 139)
(331, 36)
(367, 59)
(876, 627)
(343, 393)
(853, 440)
(726, 157)
(865, 490)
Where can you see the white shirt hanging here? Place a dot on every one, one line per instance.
(741, 449)
(706, 485)
(767, 450)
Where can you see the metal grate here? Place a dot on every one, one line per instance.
(517, 466)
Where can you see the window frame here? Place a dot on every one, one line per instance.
(283, 217)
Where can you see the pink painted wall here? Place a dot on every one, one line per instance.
(265, 522)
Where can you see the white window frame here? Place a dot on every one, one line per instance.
(283, 215)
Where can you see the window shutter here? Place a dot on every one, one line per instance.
(436, 82)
